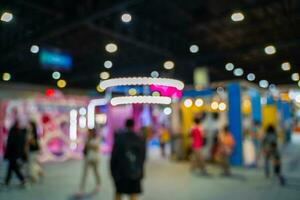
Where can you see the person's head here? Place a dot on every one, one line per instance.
(215, 115)
(256, 123)
(270, 129)
(226, 129)
(32, 125)
(129, 124)
(197, 120)
(92, 133)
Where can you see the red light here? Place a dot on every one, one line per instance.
(49, 92)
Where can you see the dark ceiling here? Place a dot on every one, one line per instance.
(160, 30)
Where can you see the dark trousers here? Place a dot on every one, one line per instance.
(267, 165)
(13, 166)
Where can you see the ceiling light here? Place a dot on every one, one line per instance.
(295, 77)
(56, 75)
(188, 103)
(194, 48)
(286, 66)
(7, 17)
(251, 77)
(132, 91)
(82, 111)
(270, 50)
(104, 75)
(199, 102)
(99, 89)
(222, 106)
(214, 105)
(126, 17)
(111, 47)
(154, 74)
(237, 16)
(238, 72)
(229, 66)
(142, 81)
(6, 76)
(167, 111)
(263, 83)
(140, 100)
(108, 64)
(155, 93)
(169, 65)
(34, 49)
(61, 83)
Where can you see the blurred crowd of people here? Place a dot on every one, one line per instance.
(129, 154)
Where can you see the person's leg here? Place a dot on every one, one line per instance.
(118, 196)
(193, 160)
(16, 169)
(226, 165)
(201, 161)
(84, 175)
(94, 165)
(162, 149)
(277, 171)
(267, 166)
(8, 173)
(133, 197)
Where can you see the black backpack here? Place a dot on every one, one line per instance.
(133, 158)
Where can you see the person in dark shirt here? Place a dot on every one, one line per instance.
(269, 138)
(15, 152)
(127, 162)
(276, 161)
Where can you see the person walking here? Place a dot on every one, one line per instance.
(15, 152)
(197, 158)
(270, 137)
(91, 160)
(34, 168)
(226, 145)
(127, 163)
(164, 138)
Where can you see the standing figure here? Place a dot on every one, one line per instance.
(197, 158)
(15, 152)
(226, 145)
(269, 139)
(276, 161)
(91, 160)
(35, 169)
(164, 138)
(127, 162)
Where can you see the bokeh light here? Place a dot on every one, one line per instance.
(6, 76)
(111, 48)
(104, 75)
(61, 83)
(169, 65)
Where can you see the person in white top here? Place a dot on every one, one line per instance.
(91, 160)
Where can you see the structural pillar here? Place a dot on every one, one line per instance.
(235, 122)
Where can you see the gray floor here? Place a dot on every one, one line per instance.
(165, 181)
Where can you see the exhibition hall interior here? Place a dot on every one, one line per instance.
(149, 99)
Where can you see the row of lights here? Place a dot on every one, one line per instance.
(188, 103)
(250, 76)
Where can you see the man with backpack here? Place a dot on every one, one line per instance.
(127, 162)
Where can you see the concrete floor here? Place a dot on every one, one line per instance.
(165, 181)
